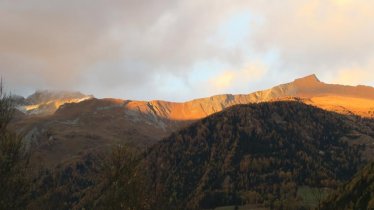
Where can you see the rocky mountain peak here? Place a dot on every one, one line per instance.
(43, 96)
(310, 79)
(47, 102)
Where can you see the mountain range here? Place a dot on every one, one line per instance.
(340, 98)
(286, 147)
(257, 156)
(61, 125)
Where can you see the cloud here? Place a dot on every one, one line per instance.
(317, 35)
(224, 80)
(238, 79)
(65, 42)
(123, 48)
(353, 76)
(356, 74)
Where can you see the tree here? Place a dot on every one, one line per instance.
(14, 184)
(123, 183)
(6, 110)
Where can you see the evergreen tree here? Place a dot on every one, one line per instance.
(14, 184)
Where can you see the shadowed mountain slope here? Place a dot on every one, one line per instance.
(259, 153)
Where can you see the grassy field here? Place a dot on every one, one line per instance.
(312, 196)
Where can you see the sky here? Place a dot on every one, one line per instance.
(179, 50)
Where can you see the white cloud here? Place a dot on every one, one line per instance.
(238, 79)
(356, 74)
(317, 35)
(70, 40)
(105, 45)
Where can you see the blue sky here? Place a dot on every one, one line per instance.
(184, 49)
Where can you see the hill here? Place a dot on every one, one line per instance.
(258, 153)
(72, 131)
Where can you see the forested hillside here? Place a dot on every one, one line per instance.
(357, 194)
(259, 153)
